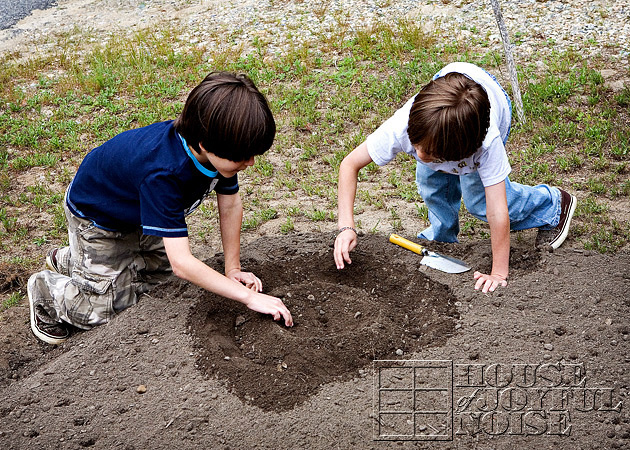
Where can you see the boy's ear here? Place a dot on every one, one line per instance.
(201, 149)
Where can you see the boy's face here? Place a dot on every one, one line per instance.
(424, 157)
(225, 167)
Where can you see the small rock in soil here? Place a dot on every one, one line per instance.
(240, 320)
(560, 331)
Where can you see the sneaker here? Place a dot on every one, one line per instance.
(556, 236)
(55, 333)
(51, 260)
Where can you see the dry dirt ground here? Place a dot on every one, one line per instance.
(541, 363)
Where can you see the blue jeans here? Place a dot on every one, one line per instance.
(528, 206)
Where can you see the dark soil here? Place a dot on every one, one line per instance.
(343, 322)
(186, 369)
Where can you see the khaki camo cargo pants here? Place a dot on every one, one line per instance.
(100, 274)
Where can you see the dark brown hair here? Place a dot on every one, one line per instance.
(450, 117)
(229, 116)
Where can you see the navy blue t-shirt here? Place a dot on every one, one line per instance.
(143, 178)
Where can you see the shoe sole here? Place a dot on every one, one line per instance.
(567, 223)
(49, 264)
(36, 331)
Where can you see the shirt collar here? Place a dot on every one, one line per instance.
(204, 170)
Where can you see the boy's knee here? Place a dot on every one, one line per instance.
(476, 207)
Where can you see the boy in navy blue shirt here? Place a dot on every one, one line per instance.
(127, 204)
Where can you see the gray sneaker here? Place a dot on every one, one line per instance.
(556, 236)
(51, 333)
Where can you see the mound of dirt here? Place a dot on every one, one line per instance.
(377, 309)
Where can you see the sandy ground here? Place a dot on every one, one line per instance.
(98, 18)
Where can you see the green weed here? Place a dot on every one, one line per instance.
(287, 226)
(13, 300)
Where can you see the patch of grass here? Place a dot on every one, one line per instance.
(607, 240)
(371, 199)
(571, 113)
(569, 163)
(287, 226)
(623, 98)
(8, 222)
(258, 218)
(263, 166)
(35, 160)
(423, 212)
(319, 215)
(590, 207)
(14, 299)
(596, 230)
(41, 240)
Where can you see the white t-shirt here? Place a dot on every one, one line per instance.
(490, 160)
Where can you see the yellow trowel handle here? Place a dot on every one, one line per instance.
(405, 243)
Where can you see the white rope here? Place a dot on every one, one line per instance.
(516, 91)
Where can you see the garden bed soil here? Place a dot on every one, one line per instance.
(187, 369)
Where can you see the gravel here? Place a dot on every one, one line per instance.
(601, 26)
(12, 11)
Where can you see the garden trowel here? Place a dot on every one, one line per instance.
(431, 259)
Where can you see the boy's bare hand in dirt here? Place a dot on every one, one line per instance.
(345, 242)
(488, 283)
(248, 279)
(266, 304)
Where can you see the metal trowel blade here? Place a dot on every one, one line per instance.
(444, 263)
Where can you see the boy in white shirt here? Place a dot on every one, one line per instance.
(456, 129)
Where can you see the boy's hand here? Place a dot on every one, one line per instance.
(488, 283)
(259, 302)
(248, 279)
(233, 285)
(266, 304)
(345, 242)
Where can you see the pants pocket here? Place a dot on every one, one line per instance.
(93, 305)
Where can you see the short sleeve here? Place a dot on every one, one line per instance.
(391, 137)
(227, 186)
(494, 165)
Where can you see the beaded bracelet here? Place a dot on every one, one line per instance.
(342, 229)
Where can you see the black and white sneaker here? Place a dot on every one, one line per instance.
(51, 260)
(55, 333)
(556, 236)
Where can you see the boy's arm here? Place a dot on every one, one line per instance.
(189, 268)
(230, 221)
(349, 168)
(499, 221)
